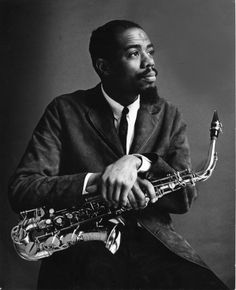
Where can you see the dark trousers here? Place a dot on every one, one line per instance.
(142, 262)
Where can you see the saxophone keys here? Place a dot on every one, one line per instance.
(52, 243)
(48, 221)
(172, 186)
(59, 221)
(51, 211)
(69, 239)
(18, 234)
(147, 199)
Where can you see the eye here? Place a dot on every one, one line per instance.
(151, 52)
(133, 53)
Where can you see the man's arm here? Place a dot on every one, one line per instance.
(176, 158)
(120, 185)
(37, 180)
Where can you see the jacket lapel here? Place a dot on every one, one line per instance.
(101, 118)
(147, 120)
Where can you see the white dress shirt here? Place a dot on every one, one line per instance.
(131, 116)
(131, 119)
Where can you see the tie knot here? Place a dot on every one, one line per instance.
(125, 111)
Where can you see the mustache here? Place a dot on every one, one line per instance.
(148, 71)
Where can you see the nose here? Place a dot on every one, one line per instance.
(147, 60)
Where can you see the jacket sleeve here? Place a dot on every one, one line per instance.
(176, 158)
(37, 180)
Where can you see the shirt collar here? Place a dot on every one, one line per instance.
(118, 108)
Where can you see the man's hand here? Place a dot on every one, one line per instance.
(118, 179)
(120, 185)
(93, 181)
(141, 193)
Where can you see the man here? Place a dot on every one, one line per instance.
(109, 139)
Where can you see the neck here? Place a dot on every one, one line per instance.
(120, 97)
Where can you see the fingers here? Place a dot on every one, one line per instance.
(120, 186)
(120, 194)
(93, 178)
(148, 188)
(115, 191)
(118, 179)
(91, 182)
(139, 196)
(117, 195)
(132, 200)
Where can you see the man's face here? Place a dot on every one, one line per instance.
(132, 70)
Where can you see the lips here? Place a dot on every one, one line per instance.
(151, 76)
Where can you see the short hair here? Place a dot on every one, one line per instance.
(103, 43)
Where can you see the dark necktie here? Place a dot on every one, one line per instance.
(123, 129)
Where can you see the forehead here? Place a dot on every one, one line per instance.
(132, 36)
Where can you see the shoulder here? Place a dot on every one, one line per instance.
(79, 98)
(169, 116)
(166, 104)
(74, 102)
(72, 107)
(165, 109)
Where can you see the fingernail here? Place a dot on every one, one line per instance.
(154, 199)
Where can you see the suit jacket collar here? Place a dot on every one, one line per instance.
(101, 118)
(146, 123)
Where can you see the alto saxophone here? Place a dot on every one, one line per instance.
(42, 231)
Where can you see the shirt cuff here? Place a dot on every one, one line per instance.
(145, 163)
(85, 183)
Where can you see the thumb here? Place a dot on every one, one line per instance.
(92, 188)
(93, 178)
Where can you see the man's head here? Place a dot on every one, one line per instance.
(122, 55)
(103, 41)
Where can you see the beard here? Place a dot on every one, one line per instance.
(150, 95)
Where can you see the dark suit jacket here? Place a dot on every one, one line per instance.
(76, 135)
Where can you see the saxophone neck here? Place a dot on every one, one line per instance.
(180, 179)
(210, 164)
(215, 129)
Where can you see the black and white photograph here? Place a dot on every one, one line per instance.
(117, 145)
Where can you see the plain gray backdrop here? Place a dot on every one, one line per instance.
(44, 53)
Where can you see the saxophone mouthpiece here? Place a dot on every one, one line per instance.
(216, 126)
(215, 117)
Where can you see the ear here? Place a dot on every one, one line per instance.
(102, 67)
